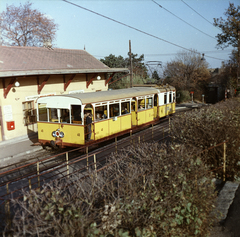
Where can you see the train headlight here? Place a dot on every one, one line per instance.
(58, 134)
(54, 134)
(61, 134)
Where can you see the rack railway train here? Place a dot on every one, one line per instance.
(62, 118)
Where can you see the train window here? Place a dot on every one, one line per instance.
(65, 116)
(76, 114)
(125, 107)
(114, 110)
(170, 97)
(141, 104)
(42, 112)
(149, 103)
(165, 98)
(100, 112)
(53, 115)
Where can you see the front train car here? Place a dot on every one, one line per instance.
(62, 119)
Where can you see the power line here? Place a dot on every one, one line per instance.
(208, 52)
(131, 27)
(128, 26)
(184, 21)
(200, 14)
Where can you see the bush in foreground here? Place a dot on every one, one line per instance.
(208, 127)
(148, 190)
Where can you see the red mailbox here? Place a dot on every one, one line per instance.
(10, 125)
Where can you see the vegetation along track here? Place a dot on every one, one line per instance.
(33, 174)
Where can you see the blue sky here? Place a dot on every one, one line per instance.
(101, 36)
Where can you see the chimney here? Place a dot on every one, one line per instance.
(47, 44)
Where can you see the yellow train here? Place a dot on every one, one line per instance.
(62, 119)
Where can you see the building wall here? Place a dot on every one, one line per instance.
(12, 108)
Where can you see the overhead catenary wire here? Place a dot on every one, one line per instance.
(131, 27)
(199, 14)
(184, 21)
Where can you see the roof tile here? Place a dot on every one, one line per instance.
(16, 58)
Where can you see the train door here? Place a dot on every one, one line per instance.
(141, 114)
(155, 104)
(162, 104)
(134, 107)
(88, 119)
(170, 106)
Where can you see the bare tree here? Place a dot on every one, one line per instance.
(187, 71)
(24, 26)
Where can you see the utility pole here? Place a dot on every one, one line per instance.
(130, 59)
(238, 69)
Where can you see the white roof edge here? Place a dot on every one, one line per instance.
(60, 71)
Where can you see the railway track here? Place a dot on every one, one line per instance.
(33, 174)
(47, 161)
(46, 166)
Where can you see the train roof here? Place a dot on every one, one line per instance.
(100, 96)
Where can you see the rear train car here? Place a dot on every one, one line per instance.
(62, 118)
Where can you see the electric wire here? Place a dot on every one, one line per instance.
(184, 21)
(200, 15)
(128, 26)
(131, 27)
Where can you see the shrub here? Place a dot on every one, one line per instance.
(183, 96)
(149, 190)
(208, 127)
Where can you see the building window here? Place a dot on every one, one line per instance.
(29, 113)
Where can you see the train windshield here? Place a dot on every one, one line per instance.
(42, 112)
(59, 115)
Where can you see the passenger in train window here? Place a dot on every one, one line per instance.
(141, 107)
(104, 116)
(65, 117)
(89, 125)
(98, 117)
(125, 111)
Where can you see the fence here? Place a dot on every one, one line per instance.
(63, 165)
(69, 166)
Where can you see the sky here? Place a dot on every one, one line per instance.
(159, 29)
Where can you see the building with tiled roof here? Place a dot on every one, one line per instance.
(26, 73)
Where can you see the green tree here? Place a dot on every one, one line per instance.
(139, 69)
(24, 26)
(114, 62)
(155, 76)
(230, 27)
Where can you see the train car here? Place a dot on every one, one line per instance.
(62, 119)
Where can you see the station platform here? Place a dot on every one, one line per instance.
(18, 147)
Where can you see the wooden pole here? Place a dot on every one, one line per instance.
(224, 161)
(38, 174)
(67, 165)
(87, 155)
(95, 164)
(169, 125)
(29, 184)
(130, 59)
(152, 131)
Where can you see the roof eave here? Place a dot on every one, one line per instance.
(60, 71)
